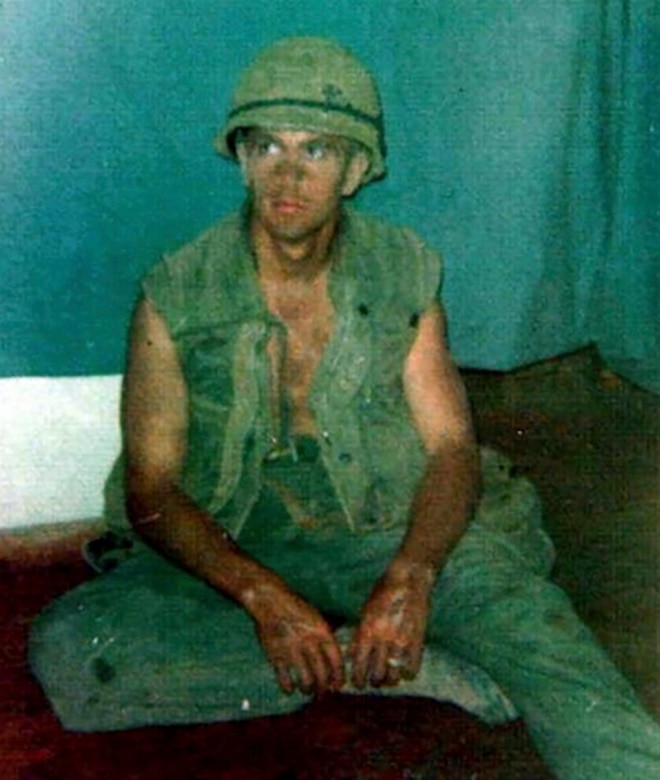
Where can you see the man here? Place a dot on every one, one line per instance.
(302, 481)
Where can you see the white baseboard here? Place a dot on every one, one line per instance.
(58, 440)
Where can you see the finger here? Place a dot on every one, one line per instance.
(284, 678)
(303, 670)
(359, 653)
(335, 664)
(395, 670)
(317, 665)
(414, 663)
(378, 664)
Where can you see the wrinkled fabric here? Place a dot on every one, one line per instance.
(149, 644)
(209, 297)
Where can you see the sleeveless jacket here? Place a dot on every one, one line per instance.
(209, 297)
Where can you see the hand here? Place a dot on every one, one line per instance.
(389, 641)
(298, 641)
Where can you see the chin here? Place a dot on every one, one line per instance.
(287, 229)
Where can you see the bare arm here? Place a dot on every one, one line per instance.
(389, 639)
(444, 502)
(296, 638)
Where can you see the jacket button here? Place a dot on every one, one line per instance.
(345, 457)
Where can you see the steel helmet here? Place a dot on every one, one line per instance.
(309, 84)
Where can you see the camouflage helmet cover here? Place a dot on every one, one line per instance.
(311, 84)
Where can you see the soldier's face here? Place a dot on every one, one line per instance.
(297, 179)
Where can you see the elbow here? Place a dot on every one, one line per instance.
(141, 511)
(461, 457)
(146, 499)
(460, 447)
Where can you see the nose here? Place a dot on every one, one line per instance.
(291, 168)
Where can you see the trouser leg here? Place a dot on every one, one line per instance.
(495, 607)
(338, 573)
(149, 644)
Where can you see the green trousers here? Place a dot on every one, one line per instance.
(148, 644)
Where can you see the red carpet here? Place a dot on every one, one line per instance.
(340, 738)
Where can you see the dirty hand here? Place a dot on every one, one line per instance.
(389, 641)
(298, 642)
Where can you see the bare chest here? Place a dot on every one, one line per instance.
(307, 315)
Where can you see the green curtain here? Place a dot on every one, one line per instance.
(627, 302)
(523, 143)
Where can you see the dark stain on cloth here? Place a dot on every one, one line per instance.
(103, 671)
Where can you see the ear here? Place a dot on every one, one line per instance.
(355, 171)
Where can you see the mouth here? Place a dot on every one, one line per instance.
(288, 206)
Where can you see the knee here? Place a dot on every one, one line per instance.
(509, 516)
(51, 640)
(63, 658)
(497, 607)
(531, 613)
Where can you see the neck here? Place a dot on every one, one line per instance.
(297, 259)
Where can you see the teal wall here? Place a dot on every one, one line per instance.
(523, 142)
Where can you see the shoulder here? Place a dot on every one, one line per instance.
(214, 243)
(368, 228)
(392, 257)
(206, 280)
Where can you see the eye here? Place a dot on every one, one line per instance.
(317, 150)
(268, 147)
(265, 147)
